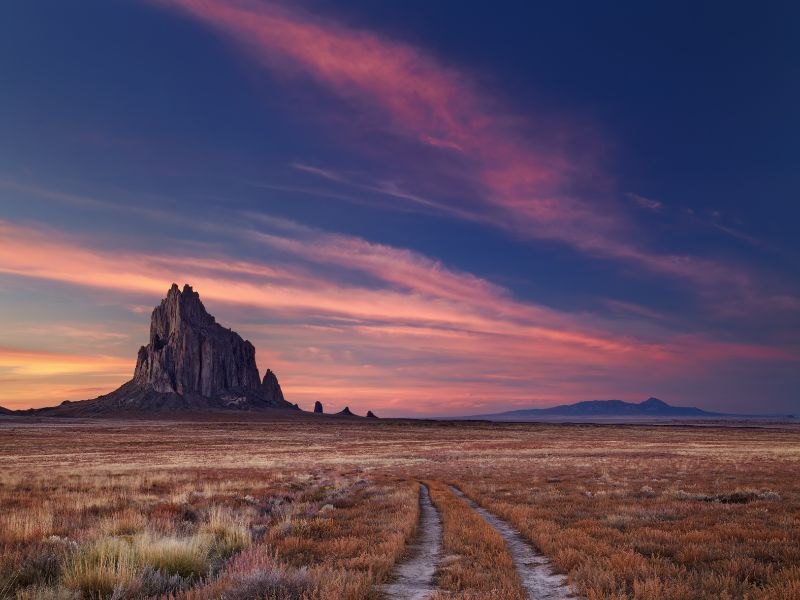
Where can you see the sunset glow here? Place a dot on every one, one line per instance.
(394, 225)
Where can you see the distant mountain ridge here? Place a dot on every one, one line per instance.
(652, 407)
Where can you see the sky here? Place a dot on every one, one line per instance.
(418, 208)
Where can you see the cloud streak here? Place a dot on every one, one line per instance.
(522, 176)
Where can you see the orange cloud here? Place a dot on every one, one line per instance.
(42, 378)
(42, 363)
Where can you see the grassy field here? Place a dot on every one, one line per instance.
(323, 509)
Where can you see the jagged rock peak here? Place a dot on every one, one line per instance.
(180, 307)
(346, 412)
(318, 407)
(190, 353)
(371, 415)
(190, 363)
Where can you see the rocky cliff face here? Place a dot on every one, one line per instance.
(190, 363)
(190, 353)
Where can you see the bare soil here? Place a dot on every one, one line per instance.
(413, 577)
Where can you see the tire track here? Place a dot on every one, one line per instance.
(534, 569)
(413, 578)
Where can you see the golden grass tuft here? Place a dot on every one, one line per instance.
(230, 534)
(186, 557)
(98, 569)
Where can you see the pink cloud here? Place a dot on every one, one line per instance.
(515, 165)
(421, 99)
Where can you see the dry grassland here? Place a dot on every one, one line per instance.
(322, 509)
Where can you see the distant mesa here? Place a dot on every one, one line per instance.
(318, 407)
(652, 407)
(6, 411)
(371, 415)
(190, 363)
(345, 413)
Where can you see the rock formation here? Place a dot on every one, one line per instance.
(190, 353)
(318, 407)
(190, 362)
(371, 415)
(6, 411)
(271, 387)
(345, 413)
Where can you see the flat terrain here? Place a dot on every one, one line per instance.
(338, 509)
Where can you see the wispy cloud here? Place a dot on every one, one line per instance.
(519, 176)
(319, 172)
(645, 202)
(385, 188)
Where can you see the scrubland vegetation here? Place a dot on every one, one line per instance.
(323, 509)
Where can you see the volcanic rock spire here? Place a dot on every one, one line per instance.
(191, 362)
(190, 353)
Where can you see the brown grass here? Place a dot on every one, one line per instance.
(322, 510)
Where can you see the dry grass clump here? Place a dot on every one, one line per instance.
(99, 568)
(229, 534)
(185, 557)
(477, 564)
(128, 564)
(28, 524)
(125, 522)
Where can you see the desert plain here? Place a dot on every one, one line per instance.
(318, 507)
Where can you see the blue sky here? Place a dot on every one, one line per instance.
(420, 208)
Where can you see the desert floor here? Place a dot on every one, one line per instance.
(321, 508)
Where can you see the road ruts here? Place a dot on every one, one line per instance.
(534, 569)
(413, 578)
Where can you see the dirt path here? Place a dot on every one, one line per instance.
(413, 578)
(534, 569)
